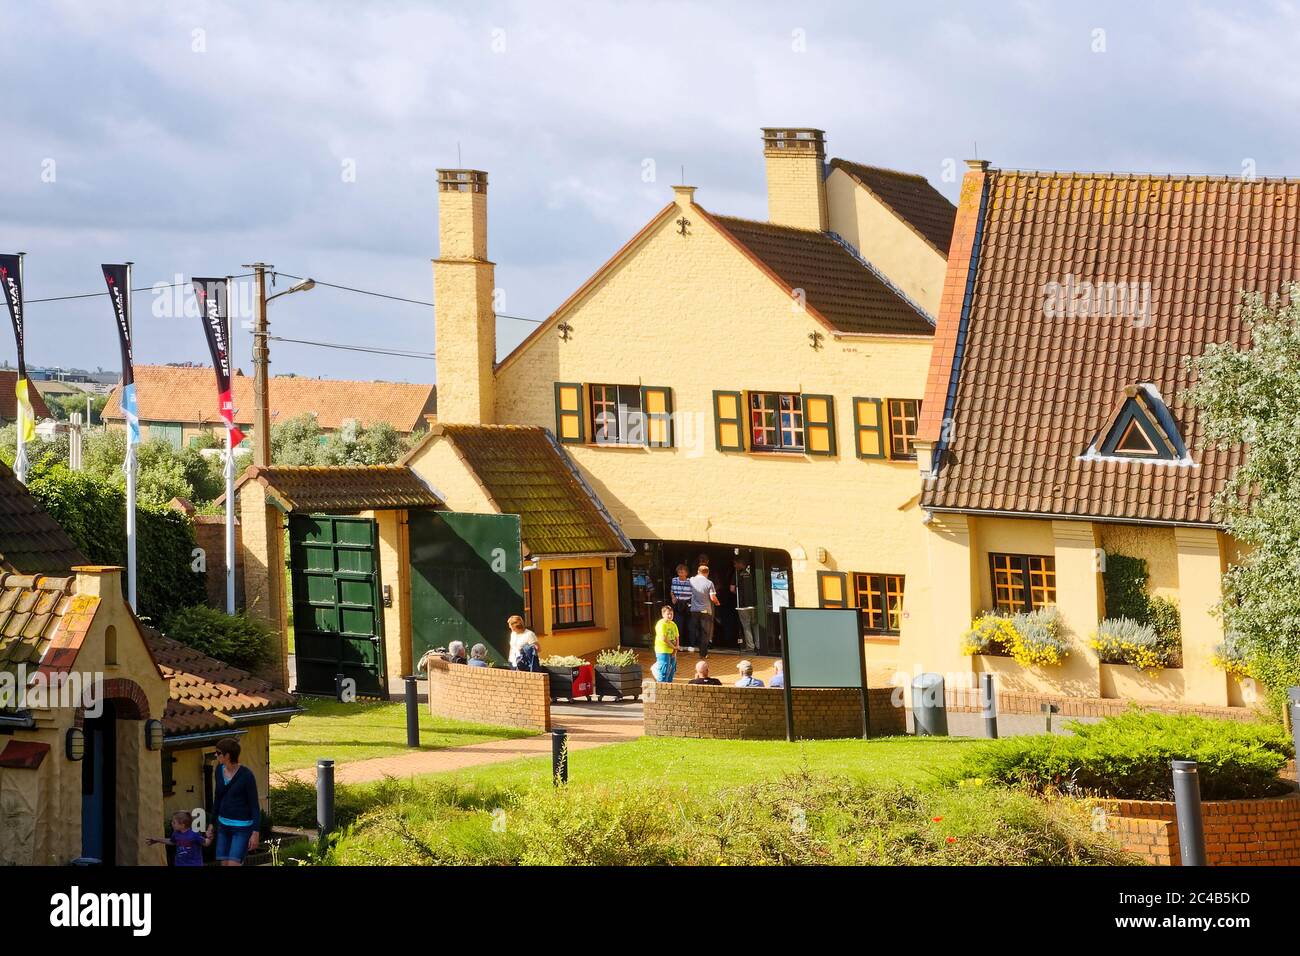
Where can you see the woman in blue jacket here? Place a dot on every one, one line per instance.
(236, 810)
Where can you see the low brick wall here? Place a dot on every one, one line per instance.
(758, 713)
(490, 695)
(1237, 832)
(967, 700)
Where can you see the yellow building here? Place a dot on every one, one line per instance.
(1056, 442)
(740, 392)
(107, 727)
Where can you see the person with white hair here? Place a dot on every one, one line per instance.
(478, 656)
(747, 678)
(456, 653)
(778, 679)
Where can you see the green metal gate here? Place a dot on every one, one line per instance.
(465, 580)
(338, 618)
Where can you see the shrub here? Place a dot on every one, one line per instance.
(1128, 757)
(799, 819)
(563, 660)
(611, 657)
(1122, 640)
(237, 639)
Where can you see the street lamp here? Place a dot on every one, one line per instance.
(306, 285)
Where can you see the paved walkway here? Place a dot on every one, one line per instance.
(589, 725)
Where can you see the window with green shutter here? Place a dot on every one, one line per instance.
(868, 428)
(657, 405)
(569, 425)
(832, 589)
(728, 424)
(819, 424)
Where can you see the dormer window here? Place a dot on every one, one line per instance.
(1141, 430)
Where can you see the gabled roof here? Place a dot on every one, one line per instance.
(910, 197)
(840, 288)
(327, 488)
(167, 393)
(1027, 388)
(208, 695)
(525, 472)
(31, 541)
(9, 398)
(1141, 428)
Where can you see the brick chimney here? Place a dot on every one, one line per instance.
(796, 186)
(465, 338)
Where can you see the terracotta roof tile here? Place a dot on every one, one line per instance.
(1034, 390)
(527, 473)
(166, 393)
(9, 398)
(911, 198)
(328, 488)
(840, 287)
(31, 608)
(31, 541)
(203, 689)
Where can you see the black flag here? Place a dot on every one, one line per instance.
(211, 295)
(11, 278)
(120, 295)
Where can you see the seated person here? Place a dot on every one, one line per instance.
(478, 656)
(702, 675)
(778, 679)
(747, 678)
(456, 653)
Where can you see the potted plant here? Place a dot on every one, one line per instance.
(571, 677)
(618, 674)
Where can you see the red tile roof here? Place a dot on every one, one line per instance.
(840, 288)
(9, 398)
(525, 472)
(910, 197)
(207, 695)
(1030, 391)
(31, 607)
(188, 394)
(332, 488)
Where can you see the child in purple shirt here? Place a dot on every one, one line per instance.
(189, 844)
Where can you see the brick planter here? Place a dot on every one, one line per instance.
(1263, 832)
(758, 713)
(490, 695)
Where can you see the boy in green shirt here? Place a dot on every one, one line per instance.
(666, 642)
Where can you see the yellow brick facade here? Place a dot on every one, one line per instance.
(693, 313)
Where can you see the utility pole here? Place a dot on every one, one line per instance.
(261, 373)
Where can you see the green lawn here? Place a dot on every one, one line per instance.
(716, 764)
(359, 731)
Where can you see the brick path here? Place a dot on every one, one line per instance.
(589, 725)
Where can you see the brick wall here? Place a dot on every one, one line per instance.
(967, 700)
(758, 713)
(490, 695)
(1237, 832)
(210, 535)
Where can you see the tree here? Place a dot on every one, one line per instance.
(1251, 396)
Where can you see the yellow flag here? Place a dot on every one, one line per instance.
(26, 417)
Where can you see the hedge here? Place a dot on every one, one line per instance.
(93, 512)
(1128, 757)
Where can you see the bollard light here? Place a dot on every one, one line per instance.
(559, 756)
(1187, 807)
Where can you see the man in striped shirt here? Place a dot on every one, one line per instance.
(680, 588)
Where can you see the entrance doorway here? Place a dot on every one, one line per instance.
(99, 787)
(644, 580)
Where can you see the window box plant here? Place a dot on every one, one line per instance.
(1031, 640)
(618, 674)
(1122, 640)
(571, 677)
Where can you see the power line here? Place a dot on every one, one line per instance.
(374, 350)
(95, 295)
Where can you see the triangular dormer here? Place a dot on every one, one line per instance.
(1142, 429)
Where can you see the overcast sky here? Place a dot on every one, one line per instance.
(195, 137)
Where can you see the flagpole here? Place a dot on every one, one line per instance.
(230, 486)
(20, 457)
(131, 465)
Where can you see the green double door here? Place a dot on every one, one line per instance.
(338, 617)
(465, 580)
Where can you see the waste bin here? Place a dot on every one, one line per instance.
(929, 713)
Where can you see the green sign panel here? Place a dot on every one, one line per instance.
(822, 648)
